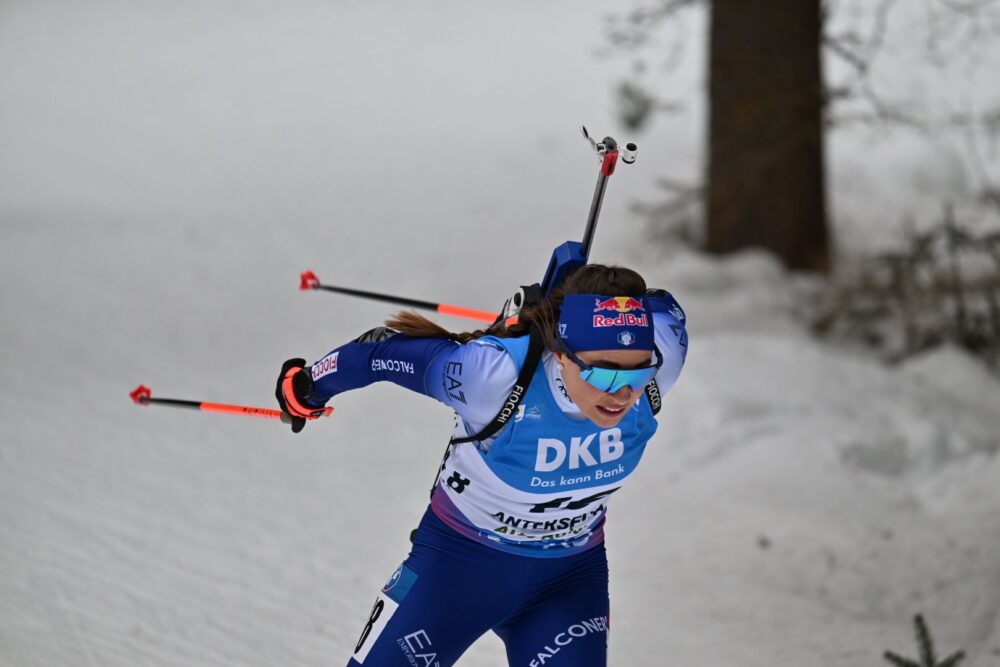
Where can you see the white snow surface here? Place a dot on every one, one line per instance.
(165, 174)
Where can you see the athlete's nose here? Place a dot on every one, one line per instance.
(623, 395)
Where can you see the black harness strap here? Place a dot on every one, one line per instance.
(535, 348)
(653, 395)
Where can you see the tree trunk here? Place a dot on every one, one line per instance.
(765, 173)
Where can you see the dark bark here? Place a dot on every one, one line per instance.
(766, 184)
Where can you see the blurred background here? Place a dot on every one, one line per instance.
(817, 183)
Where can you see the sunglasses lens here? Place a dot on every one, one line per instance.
(611, 380)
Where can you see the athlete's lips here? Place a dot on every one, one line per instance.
(613, 410)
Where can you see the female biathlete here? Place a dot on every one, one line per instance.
(513, 538)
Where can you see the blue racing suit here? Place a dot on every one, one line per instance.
(513, 539)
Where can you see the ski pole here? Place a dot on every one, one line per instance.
(573, 254)
(310, 281)
(143, 395)
(608, 151)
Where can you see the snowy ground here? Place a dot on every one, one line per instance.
(165, 176)
(811, 501)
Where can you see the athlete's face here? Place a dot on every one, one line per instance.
(603, 408)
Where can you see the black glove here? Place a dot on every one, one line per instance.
(293, 390)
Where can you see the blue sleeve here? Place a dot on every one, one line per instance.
(670, 327)
(471, 378)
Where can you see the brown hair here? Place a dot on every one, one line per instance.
(588, 279)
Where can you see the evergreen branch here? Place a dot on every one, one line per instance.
(926, 646)
(924, 641)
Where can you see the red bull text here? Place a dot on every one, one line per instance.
(623, 305)
(623, 320)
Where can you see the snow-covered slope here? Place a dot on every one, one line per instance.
(810, 501)
(166, 173)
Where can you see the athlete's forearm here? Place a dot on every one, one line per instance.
(377, 355)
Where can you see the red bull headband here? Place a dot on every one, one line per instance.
(597, 322)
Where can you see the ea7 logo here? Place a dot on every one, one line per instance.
(553, 453)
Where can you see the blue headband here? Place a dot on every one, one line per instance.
(597, 322)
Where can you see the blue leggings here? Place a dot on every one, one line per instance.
(451, 590)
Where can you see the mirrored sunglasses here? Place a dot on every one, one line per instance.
(610, 380)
